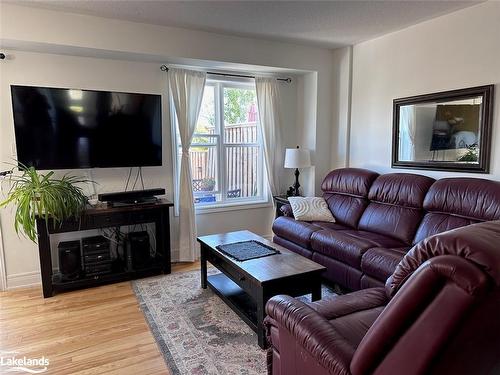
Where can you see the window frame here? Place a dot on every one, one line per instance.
(220, 145)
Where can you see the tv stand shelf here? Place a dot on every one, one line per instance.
(103, 216)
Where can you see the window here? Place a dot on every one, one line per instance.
(226, 149)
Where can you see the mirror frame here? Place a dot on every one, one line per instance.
(486, 92)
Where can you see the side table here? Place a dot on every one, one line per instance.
(279, 201)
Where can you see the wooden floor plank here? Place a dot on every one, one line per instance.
(86, 332)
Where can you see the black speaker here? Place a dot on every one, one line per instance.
(70, 259)
(131, 197)
(138, 249)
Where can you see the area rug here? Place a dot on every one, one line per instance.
(197, 333)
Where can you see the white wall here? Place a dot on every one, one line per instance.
(307, 104)
(341, 116)
(455, 51)
(69, 50)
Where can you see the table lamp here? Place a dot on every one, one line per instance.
(297, 158)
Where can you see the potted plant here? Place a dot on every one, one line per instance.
(471, 155)
(38, 195)
(208, 184)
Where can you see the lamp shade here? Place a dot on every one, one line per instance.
(297, 158)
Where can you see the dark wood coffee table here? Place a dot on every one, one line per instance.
(246, 286)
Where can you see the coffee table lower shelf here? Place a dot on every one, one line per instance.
(235, 297)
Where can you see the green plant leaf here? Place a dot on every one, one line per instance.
(41, 196)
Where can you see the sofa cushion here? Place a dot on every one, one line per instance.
(352, 181)
(355, 325)
(395, 208)
(370, 282)
(345, 208)
(397, 222)
(470, 198)
(298, 232)
(476, 243)
(293, 247)
(349, 245)
(455, 202)
(434, 223)
(338, 272)
(380, 262)
(352, 314)
(326, 225)
(346, 191)
(340, 305)
(400, 189)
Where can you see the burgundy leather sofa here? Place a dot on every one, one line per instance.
(439, 312)
(380, 217)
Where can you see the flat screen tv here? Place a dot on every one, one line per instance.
(58, 128)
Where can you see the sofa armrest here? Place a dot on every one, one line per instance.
(310, 331)
(428, 308)
(345, 304)
(286, 209)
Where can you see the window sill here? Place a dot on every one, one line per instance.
(215, 208)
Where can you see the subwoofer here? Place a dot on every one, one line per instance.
(70, 260)
(139, 249)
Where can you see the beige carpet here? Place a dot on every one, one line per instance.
(195, 330)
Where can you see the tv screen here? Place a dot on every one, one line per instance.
(59, 128)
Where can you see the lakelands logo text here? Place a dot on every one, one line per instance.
(9, 362)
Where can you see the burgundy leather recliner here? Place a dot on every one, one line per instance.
(380, 217)
(439, 313)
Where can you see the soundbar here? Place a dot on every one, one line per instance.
(131, 197)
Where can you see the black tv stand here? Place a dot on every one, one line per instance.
(103, 216)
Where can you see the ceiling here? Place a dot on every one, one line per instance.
(324, 23)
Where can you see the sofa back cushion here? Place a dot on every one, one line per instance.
(455, 202)
(395, 208)
(346, 192)
(476, 243)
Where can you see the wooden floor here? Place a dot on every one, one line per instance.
(93, 331)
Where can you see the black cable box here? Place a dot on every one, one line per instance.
(131, 197)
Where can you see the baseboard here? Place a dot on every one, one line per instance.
(174, 255)
(20, 280)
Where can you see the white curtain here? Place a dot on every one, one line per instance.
(268, 99)
(186, 89)
(407, 128)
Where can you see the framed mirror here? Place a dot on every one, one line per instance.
(448, 131)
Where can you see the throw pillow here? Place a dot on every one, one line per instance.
(310, 209)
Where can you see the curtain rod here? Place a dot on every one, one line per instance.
(164, 68)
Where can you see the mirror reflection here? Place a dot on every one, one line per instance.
(441, 132)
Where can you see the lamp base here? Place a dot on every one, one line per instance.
(296, 185)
